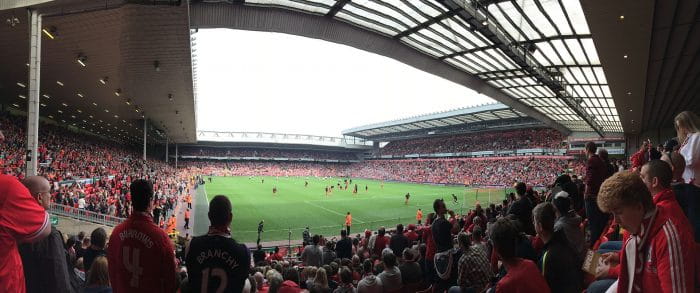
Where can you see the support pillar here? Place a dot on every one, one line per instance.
(167, 140)
(176, 156)
(33, 94)
(145, 131)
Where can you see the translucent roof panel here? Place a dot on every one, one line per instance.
(555, 32)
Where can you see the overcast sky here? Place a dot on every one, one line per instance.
(271, 82)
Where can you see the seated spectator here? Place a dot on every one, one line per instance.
(45, 262)
(98, 240)
(391, 276)
(232, 259)
(320, 283)
(663, 245)
(398, 242)
(411, 272)
(275, 280)
(569, 222)
(522, 274)
(98, 277)
(369, 283)
(559, 263)
(474, 272)
(22, 220)
(345, 281)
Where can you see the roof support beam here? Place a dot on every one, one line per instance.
(336, 7)
(475, 16)
(439, 18)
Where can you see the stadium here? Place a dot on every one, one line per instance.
(349, 146)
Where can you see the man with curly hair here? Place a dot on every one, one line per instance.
(658, 255)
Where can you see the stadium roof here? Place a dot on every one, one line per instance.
(137, 66)
(477, 118)
(537, 55)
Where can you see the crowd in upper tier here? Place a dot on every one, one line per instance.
(266, 153)
(482, 141)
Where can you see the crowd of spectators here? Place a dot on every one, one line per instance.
(266, 153)
(531, 242)
(473, 142)
(499, 171)
(88, 172)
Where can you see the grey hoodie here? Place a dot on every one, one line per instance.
(370, 284)
(570, 223)
(391, 278)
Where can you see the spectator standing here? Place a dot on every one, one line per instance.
(216, 256)
(45, 262)
(141, 255)
(596, 172)
(344, 246)
(22, 220)
(398, 241)
(688, 129)
(381, 241)
(522, 209)
(313, 254)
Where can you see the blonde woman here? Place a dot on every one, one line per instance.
(688, 129)
(98, 277)
(320, 284)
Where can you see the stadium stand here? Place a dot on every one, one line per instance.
(473, 142)
(533, 241)
(265, 153)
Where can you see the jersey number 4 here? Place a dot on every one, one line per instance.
(215, 273)
(131, 263)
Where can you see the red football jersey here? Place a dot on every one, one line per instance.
(141, 257)
(21, 219)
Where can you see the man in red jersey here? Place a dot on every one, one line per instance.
(141, 256)
(658, 256)
(22, 219)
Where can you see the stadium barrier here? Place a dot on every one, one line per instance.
(84, 215)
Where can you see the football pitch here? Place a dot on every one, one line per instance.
(295, 206)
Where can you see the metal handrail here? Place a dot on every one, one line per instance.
(84, 215)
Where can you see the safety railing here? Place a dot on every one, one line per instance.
(84, 215)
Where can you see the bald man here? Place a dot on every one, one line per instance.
(45, 265)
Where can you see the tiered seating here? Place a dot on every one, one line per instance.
(472, 142)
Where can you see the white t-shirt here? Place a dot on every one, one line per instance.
(81, 203)
(691, 153)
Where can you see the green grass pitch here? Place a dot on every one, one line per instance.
(295, 206)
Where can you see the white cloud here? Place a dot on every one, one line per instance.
(271, 82)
